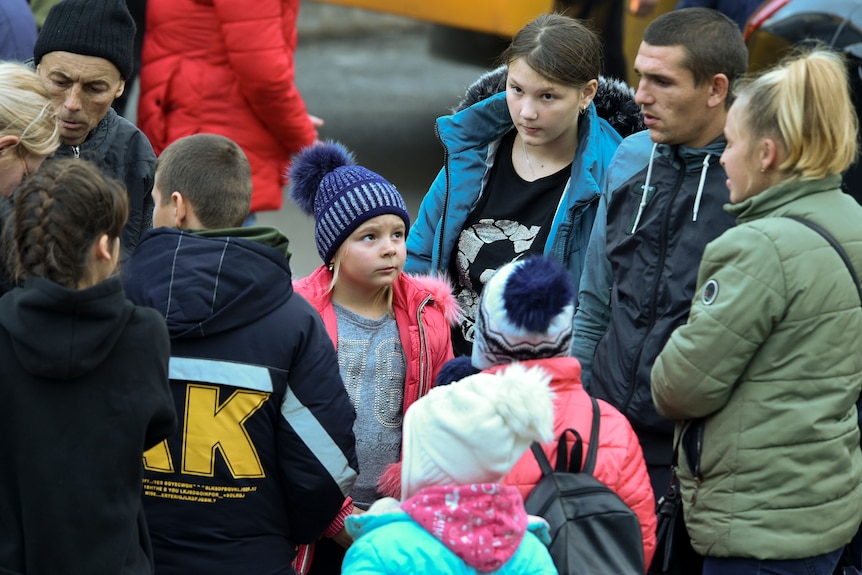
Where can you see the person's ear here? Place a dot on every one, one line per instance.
(8, 141)
(719, 90)
(181, 209)
(769, 152)
(120, 89)
(103, 249)
(589, 93)
(185, 217)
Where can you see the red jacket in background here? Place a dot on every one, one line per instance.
(226, 67)
(619, 460)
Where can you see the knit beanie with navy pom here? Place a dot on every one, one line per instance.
(525, 312)
(326, 183)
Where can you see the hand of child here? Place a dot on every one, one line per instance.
(343, 538)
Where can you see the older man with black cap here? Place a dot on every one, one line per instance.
(84, 55)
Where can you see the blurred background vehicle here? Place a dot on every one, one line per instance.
(371, 76)
(779, 25)
(477, 31)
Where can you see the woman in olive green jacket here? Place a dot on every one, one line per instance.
(765, 375)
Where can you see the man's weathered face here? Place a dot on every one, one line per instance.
(675, 109)
(82, 89)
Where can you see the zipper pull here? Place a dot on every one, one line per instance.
(77, 151)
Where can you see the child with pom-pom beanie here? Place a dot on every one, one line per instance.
(525, 316)
(391, 330)
(455, 517)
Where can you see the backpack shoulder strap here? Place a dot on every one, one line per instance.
(541, 458)
(566, 462)
(590, 463)
(570, 461)
(836, 246)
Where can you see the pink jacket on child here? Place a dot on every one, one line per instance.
(424, 311)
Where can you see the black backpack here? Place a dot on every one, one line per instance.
(593, 532)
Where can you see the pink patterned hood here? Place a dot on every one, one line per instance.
(482, 523)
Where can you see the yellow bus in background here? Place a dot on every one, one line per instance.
(498, 17)
(476, 31)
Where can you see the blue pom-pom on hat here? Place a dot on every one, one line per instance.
(525, 312)
(326, 182)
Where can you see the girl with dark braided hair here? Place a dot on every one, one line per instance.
(84, 388)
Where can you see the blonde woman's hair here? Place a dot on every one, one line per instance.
(26, 110)
(804, 103)
(385, 294)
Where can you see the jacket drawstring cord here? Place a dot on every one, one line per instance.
(645, 189)
(700, 187)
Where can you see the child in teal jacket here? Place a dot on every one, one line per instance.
(455, 517)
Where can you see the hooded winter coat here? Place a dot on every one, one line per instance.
(471, 137)
(266, 454)
(769, 368)
(395, 537)
(641, 273)
(619, 461)
(226, 67)
(84, 392)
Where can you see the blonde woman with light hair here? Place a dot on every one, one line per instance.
(29, 132)
(765, 375)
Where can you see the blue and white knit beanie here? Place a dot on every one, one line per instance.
(326, 183)
(525, 312)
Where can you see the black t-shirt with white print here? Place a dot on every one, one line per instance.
(510, 221)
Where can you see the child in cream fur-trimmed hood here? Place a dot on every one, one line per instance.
(455, 516)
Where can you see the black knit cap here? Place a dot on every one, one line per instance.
(101, 28)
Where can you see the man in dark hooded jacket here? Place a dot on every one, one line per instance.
(266, 453)
(661, 205)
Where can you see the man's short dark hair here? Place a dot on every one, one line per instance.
(712, 42)
(213, 175)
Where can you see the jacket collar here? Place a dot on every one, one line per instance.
(692, 158)
(773, 198)
(484, 124)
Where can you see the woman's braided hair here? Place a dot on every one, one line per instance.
(59, 212)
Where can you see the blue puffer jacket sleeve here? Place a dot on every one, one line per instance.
(594, 296)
